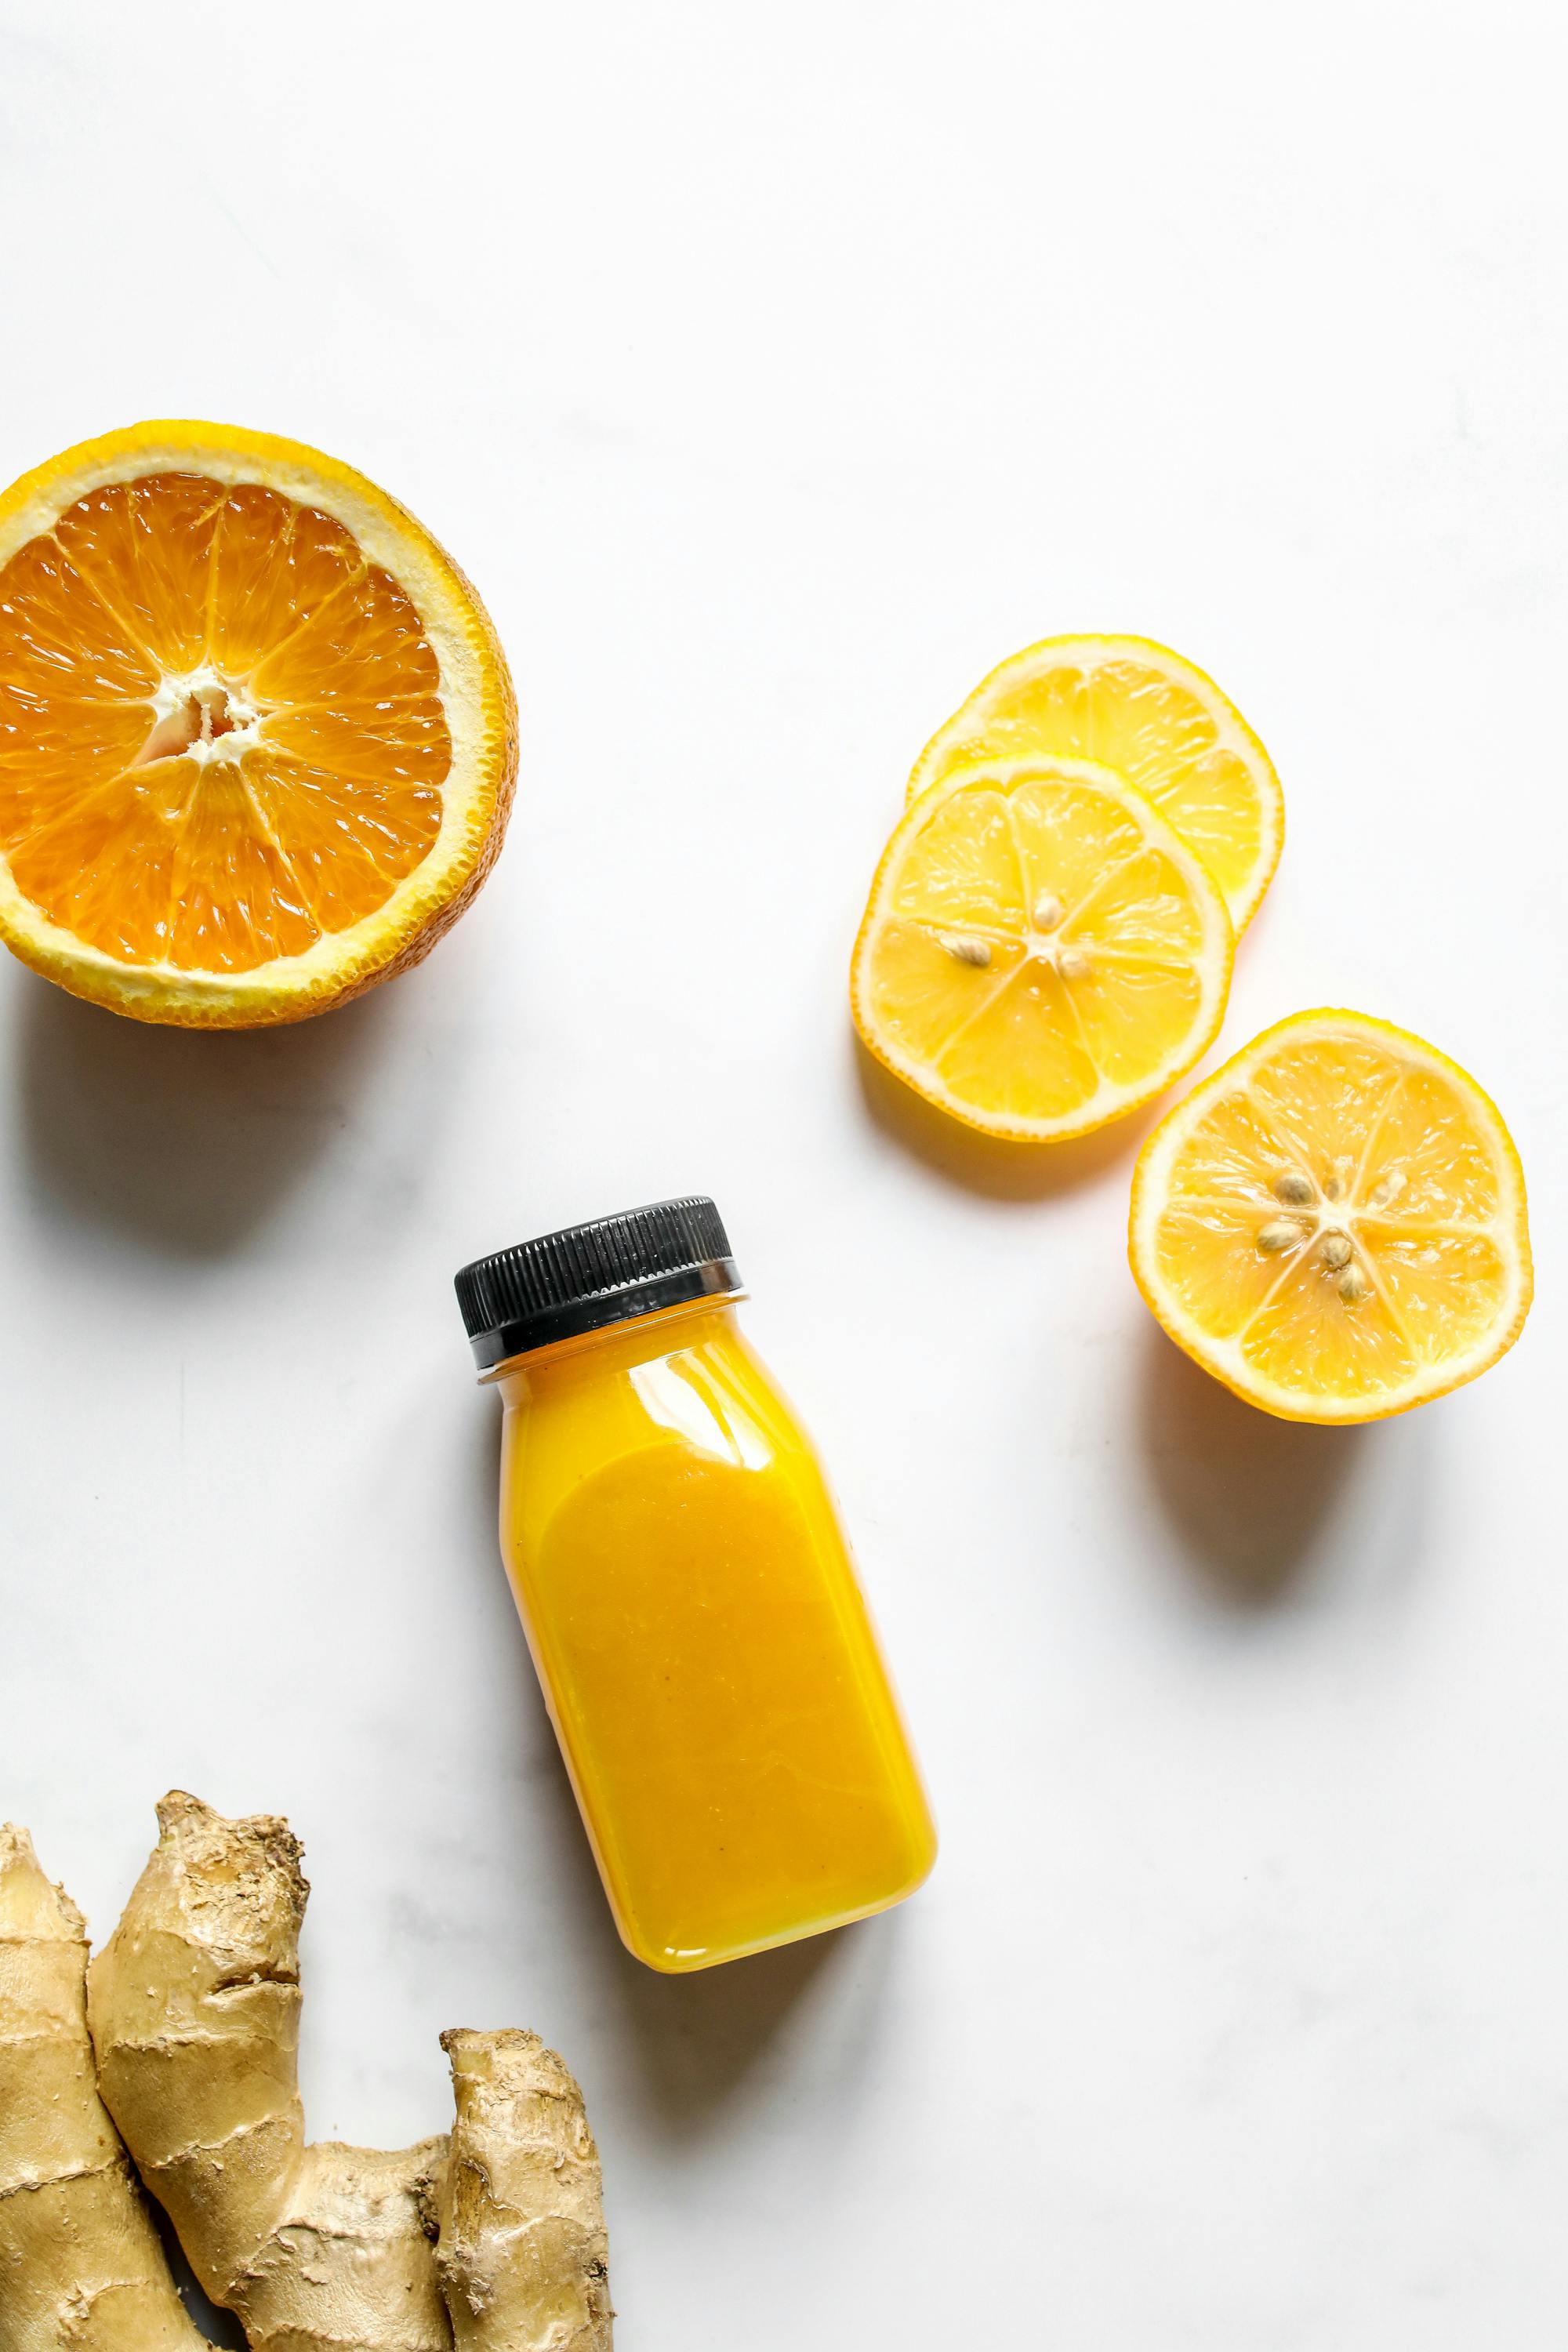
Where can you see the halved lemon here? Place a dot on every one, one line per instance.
(1041, 951)
(1154, 718)
(258, 739)
(1334, 1224)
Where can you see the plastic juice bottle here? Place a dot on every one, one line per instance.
(706, 1656)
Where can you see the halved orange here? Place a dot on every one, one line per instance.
(1041, 951)
(257, 739)
(1155, 718)
(1334, 1224)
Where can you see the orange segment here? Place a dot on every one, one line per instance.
(1334, 1225)
(104, 864)
(256, 734)
(146, 546)
(275, 563)
(234, 900)
(1040, 952)
(343, 854)
(61, 636)
(364, 641)
(55, 753)
(401, 739)
(1129, 704)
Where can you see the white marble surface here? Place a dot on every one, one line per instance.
(774, 372)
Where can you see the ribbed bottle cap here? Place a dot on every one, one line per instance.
(587, 1276)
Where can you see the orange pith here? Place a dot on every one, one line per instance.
(221, 734)
(1334, 1224)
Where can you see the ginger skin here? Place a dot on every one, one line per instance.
(194, 2008)
(522, 2251)
(493, 2241)
(81, 2264)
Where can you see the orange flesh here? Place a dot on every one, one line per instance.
(221, 730)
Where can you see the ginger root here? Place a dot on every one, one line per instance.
(492, 2241)
(521, 2249)
(79, 2260)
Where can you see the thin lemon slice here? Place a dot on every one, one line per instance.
(257, 735)
(1334, 1224)
(1041, 951)
(1154, 718)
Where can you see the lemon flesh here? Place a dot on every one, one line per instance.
(1334, 1225)
(1041, 951)
(1158, 721)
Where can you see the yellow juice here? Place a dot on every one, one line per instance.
(702, 1639)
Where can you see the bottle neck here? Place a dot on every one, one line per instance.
(615, 1347)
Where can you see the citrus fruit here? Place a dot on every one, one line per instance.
(1334, 1224)
(1041, 951)
(257, 735)
(1154, 718)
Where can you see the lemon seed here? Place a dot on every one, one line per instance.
(1388, 1188)
(1280, 1235)
(1072, 964)
(1352, 1284)
(1048, 912)
(967, 950)
(1337, 1183)
(1336, 1250)
(1294, 1189)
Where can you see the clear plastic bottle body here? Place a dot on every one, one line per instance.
(705, 1651)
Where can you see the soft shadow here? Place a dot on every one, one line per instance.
(217, 2326)
(1245, 1493)
(187, 1138)
(1008, 1171)
(699, 2038)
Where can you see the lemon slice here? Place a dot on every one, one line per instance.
(1041, 951)
(1156, 720)
(257, 734)
(1334, 1224)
